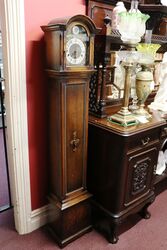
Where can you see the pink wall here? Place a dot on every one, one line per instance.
(39, 13)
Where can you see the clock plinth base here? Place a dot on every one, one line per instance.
(68, 220)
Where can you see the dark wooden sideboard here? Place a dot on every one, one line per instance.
(121, 170)
(122, 161)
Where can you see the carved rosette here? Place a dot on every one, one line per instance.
(139, 176)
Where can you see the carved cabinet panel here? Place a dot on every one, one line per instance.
(141, 166)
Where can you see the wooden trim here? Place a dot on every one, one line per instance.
(39, 218)
(13, 38)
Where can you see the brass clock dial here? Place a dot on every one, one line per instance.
(75, 51)
(77, 46)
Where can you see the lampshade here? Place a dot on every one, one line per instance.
(149, 51)
(132, 26)
(128, 56)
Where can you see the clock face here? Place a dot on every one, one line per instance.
(75, 51)
(77, 46)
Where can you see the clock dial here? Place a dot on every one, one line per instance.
(75, 51)
(77, 46)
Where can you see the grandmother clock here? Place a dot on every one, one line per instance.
(69, 53)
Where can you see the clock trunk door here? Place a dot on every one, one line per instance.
(75, 123)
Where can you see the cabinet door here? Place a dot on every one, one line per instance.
(140, 174)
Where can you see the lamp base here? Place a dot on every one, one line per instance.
(123, 118)
(142, 112)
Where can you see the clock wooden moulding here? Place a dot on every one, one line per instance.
(70, 210)
(56, 37)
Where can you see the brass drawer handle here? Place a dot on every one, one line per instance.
(75, 142)
(145, 141)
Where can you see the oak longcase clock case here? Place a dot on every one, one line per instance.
(69, 54)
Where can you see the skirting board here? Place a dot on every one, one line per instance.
(38, 218)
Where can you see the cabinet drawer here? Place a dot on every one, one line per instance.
(144, 139)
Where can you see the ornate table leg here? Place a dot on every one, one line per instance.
(144, 213)
(113, 237)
